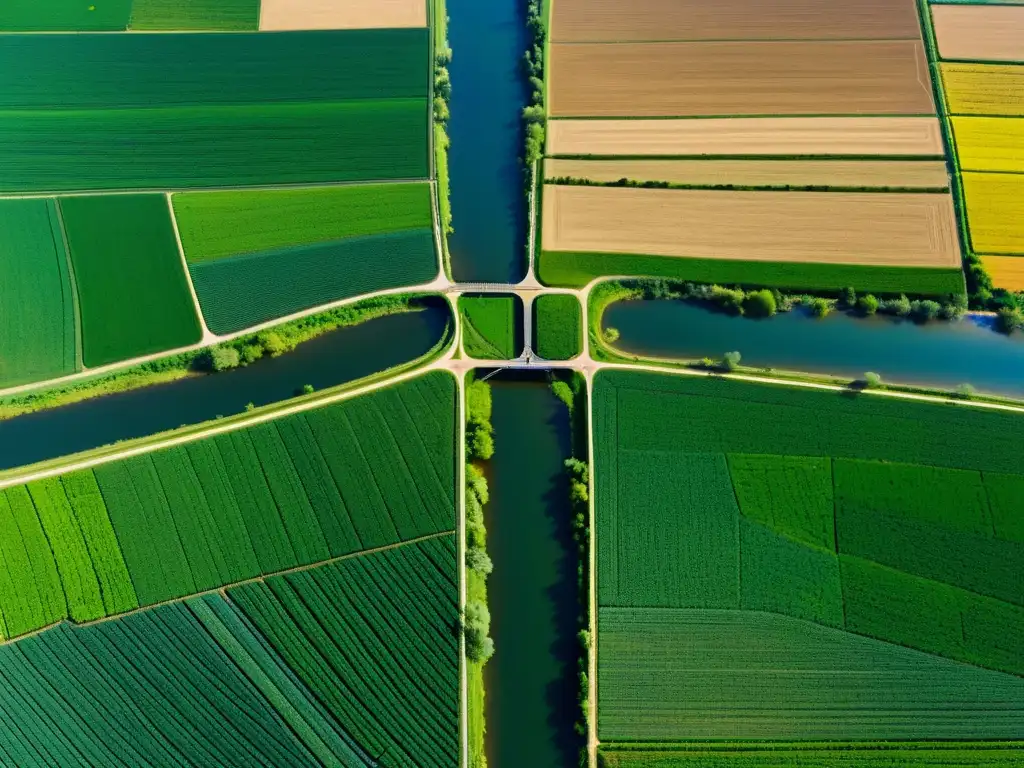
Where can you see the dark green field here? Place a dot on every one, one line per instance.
(132, 288)
(490, 326)
(577, 269)
(558, 327)
(64, 15)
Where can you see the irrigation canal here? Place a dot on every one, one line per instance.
(531, 680)
(489, 214)
(335, 358)
(937, 354)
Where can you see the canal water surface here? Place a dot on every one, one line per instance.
(531, 679)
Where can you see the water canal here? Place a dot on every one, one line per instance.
(334, 358)
(488, 94)
(531, 679)
(937, 354)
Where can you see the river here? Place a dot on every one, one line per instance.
(937, 354)
(531, 679)
(334, 358)
(488, 39)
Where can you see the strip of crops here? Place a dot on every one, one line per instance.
(558, 327)
(37, 329)
(154, 71)
(670, 674)
(577, 269)
(798, 755)
(243, 291)
(490, 326)
(64, 15)
(186, 147)
(374, 638)
(158, 688)
(369, 472)
(132, 289)
(238, 15)
(217, 224)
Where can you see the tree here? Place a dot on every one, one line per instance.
(872, 380)
(848, 297)
(479, 647)
(867, 304)
(611, 335)
(480, 442)
(251, 353)
(731, 361)
(220, 359)
(478, 560)
(1009, 320)
(760, 304)
(965, 391)
(307, 389)
(925, 310)
(534, 143)
(820, 307)
(272, 343)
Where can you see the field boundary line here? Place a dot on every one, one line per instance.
(208, 335)
(65, 245)
(592, 741)
(460, 549)
(222, 590)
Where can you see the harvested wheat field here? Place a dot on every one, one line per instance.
(995, 212)
(279, 15)
(1007, 272)
(990, 143)
(873, 77)
(809, 136)
(920, 174)
(984, 89)
(873, 228)
(979, 32)
(580, 21)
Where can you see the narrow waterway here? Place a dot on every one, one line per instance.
(488, 39)
(326, 361)
(937, 354)
(531, 679)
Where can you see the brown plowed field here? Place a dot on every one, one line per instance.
(1007, 272)
(908, 136)
(979, 32)
(279, 15)
(579, 21)
(872, 228)
(740, 78)
(835, 173)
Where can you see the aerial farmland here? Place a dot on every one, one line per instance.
(460, 384)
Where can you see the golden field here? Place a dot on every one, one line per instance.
(984, 89)
(979, 32)
(906, 136)
(1007, 272)
(899, 229)
(281, 15)
(930, 174)
(995, 212)
(990, 143)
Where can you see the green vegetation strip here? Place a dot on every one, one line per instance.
(213, 225)
(489, 326)
(558, 327)
(577, 269)
(38, 326)
(64, 15)
(131, 283)
(236, 293)
(171, 15)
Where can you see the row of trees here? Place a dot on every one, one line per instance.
(534, 119)
(479, 447)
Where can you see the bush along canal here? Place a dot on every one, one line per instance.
(336, 357)
(485, 127)
(533, 681)
(938, 354)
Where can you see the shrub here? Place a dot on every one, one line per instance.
(250, 353)
(1009, 320)
(480, 442)
(272, 342)
(731, 361)
(820, 307)
(899, 307)
(872, 380)
(730, 299)
(965, 391)
(925, 310)
(478, 560)
(848, 297)
(760, 304)
(867, 304)
(220, 359)
(611, 335)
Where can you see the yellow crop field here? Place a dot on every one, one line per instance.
(984, 89)
(1007, 272)
(990, 143)
(995, 212)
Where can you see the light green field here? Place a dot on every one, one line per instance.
(237, 15)
(558, 327)
(489, 326)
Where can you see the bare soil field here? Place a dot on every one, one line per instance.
(872, 77)
(1006, 271)
(919, 174)
(872, 228)
(787, 136)
(580, 21)
(979, 32)
(279, 15)
(984, 89)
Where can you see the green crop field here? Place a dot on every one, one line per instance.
(374, 638)
(802, 755)
(729, 519)
(362, 474)
(132, 288)
(218, 224)
(64, 15)
(578, 269)
(242, 291)
(37, 330)
(490, 326)
(558, 327)
(239, 15)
